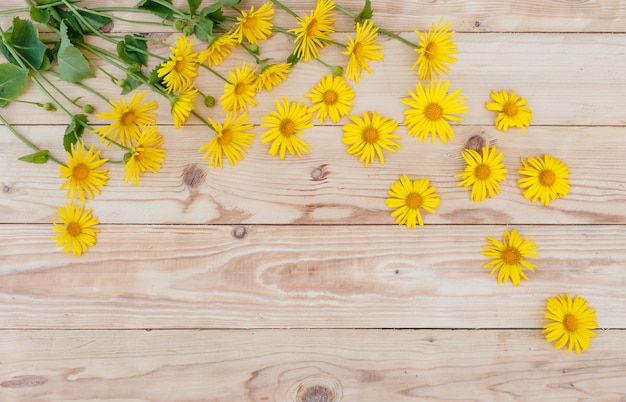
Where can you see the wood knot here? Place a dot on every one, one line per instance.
(319, 173)
(108, 27)
(316, 393)
(240, 232)
(24, 381)
(477, 24)
(6, 189)
(319, 389)
(475, 142)
(193, 175)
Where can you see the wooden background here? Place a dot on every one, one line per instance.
(289, 281)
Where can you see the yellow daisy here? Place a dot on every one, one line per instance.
(571, 322)
(230, 140)
(512, 110)
(362, 50)
(436, 48)
(546, 179)
(509, 256)
(240, 91)
(255, 25)
(81, 172)
(146, 155)
(74, 229)
(483, 172)
(127, 119)
(314, 30)
(285, 127)
(408, 197)
(182, 105)
(368, 136)
(431, 107)
(215, 54)
(271, 75)
(331, 97)
(182, 67)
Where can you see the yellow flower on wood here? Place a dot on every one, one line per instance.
(367, 137)
(331, 97)
(215, 54)
(509, 256)
(240, 90)
(255, 25)
(571, 322)
(483, 172)
(285, 127)
(544, 179)
(229, 141)
(74, 229)
(81, 172)
(146, 155)
(182, 67)
(512, 110)
(314, 30)
(362, 50)
(409, 197)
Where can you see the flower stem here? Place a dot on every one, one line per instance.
(25, 141)
(217, 74)
(285, 8)
(203, 120)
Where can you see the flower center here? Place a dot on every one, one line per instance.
(330, 97)
(570, 322)
(510, 109)
(482, 172)
(80, 171)
(287, 127)
(511, 255)
(433, 111)
(73, 229)
(138, 154)
(547, 177)
(128, 118)
(414, 201)
(180, 64)
(431, 50)
(357, 50)
(224, 138)
(240, 88)
(370, 135)
(311, 29)
(249, 22)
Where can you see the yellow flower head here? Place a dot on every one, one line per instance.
(240, 91)
(571, 322)
(146, 155)
(255, 25)
(331, 97)
(436, 48)
(545, 179)
(271, 75)
(285, 126)
(74, 229)
(512, 110)
(182, 105)
(215, 54)
(314, 30)
(182, 67)
(127, 119)
(508, 256)
(230, 140)
(431, 107)
(409, 197)
(362, 50)
(368, 136)
(483, 172)
(81, 172)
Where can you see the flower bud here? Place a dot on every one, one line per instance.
(180, 25)
(209, 101)
(88, 108)
(187, 30)
(122, 83)
(49, 107)
(254, 48)
(337, 71)
(134, 68)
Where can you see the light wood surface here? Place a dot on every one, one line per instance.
(288, 280)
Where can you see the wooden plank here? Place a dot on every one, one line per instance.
(306, 365)
(328, 185)
(474, 16)
(301, 276)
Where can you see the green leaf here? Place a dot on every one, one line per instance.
(12, 82)
(157, 9)
(73, 66)
(23, 38)
(75, 30)
(230, 3)
(203, 29)
(213, 13)
(127, 53)
(293, 59)
(95, 21)
(74, 131)
(130, 84)
(41, 15)
(193, 5)
(37, 157)
(154, 78)
(366, 13)
(46, 2)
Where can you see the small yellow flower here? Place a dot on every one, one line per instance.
(255, 25)
(314, 30)
(146, 155)
(545, 179)
(215, 54)
(182, 105)
(436, 48)
(82, 174)
(409, 197)
(182, 68)
(230, 140)
(362, 50)
(240, 91)
(508, 256)
(571, 322)
(271, 75)
(512, 110)
(368, 136)
(74, 229)
(285, 126)
(483, 172)
(331, 97)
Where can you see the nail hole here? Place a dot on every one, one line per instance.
(477, 24)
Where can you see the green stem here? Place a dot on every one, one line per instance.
(285, 8)
(112, 141)
(203, 120)
(21, 101)
(14, 11)
(101, 12)
(25, 141)
(216, 74)
(256, 58)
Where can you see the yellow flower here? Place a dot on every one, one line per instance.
(74, 229)
(546, 179)
(408, 197)
(182, 105)
(314, 30)
(182, 67)
(146, 155)
(509, 256)
(512, 110)
(127, 119)
(81, 172)
(255, 25)
(271, 75)
(240, 91)
(367, 137)
(285, 127)
(230, 140)
(436, 48)
(430, 110)
(571, 322)
(332, 96)
(362, 50)
(483, 172)
(215, 54)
